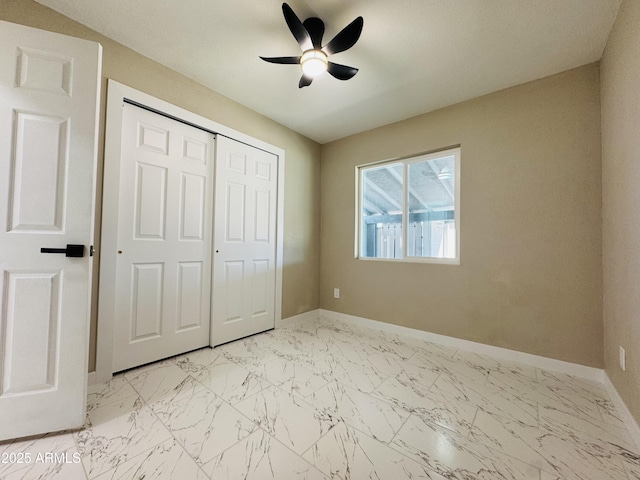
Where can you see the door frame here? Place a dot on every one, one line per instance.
(117, 93)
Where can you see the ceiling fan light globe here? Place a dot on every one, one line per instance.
(313, 63)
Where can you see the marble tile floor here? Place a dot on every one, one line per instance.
(323, 399)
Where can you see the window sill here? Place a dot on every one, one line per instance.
(432, 261)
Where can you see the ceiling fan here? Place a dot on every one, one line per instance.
(314, 59)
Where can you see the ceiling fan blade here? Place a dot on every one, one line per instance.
(297, 29)
(305, 81)
(341, 72)
(346, 38)
(315, 27)
(284, 60)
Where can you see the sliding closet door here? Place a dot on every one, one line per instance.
(244, 277)
(163, 271)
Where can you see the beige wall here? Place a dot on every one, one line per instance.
(530, 272)
(302, 164)
(621, 202)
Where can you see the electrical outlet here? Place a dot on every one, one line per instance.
(623, 359)
(336, 293)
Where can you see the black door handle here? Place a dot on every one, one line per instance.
(70, 251)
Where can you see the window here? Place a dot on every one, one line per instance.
(409, 209)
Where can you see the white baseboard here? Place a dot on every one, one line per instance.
(91, 379)
(582, 371)
(621, 407)
(284, 322)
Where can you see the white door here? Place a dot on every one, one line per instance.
(48, 130)
(244, 277)
(163, 265)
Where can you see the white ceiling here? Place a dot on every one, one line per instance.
(414, 56)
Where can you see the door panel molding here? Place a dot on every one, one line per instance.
(31, 331)
(40, 153)
(118, 94)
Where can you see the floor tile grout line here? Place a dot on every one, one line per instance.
(378, 399)
(227, 401)
(109, 404)
(388, 444)
(400, 450)
(160, 421)
(293, 397)
(113, 401)
(75, 442)
(319, 440)
(299, 455)
(432, 424)
(473, 423)
(258, 427)
(350, 425)
(200, 466)
(520, 460)
(399, 429)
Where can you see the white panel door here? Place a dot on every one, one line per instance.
(244, 277)
(163, 270)
(48, 127)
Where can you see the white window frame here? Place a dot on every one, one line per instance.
(406, 161)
